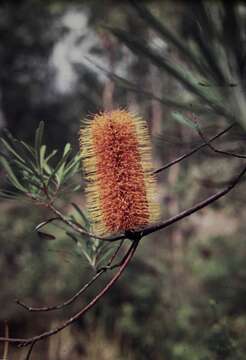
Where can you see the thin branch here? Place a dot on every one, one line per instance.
(182, 157)
(224, 152)
(65, 303)
(109, 266)
(78, 293)
(28, 355)
(131, 251)
(6, 344)
(195, 208)
(115, 253)
(107, 287)
(208, 183)
(80, 229)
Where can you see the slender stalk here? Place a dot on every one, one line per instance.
(223, 152)
(78, 293)
(127, 258)
(193, 151)
(195, 208)
(44, 335)
(6, 344)
(78, 228)
(29, 353)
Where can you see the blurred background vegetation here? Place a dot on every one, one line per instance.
(177, 64)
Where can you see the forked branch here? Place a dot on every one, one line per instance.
(213, 148)
(78, 293)
(196, 207)
(127, 258)
(193, 151)
(44, 335)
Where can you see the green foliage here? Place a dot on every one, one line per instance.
(214, 71)
(96, 252)
(184, 120)
(33, 172)
(41, 176)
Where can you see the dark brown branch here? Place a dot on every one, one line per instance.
(78, 293)
(27, 341)
(208, 183)
(6, 344)
(111, 267)
(147, 231)
(223, 152)
(65, 303)
(199, 147)
(28, 355)
(195, 208)
(82, 231)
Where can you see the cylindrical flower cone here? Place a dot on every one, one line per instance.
(116, 156)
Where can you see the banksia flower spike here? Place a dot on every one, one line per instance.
(117, 162)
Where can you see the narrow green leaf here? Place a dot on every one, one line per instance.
(29, 148)
(23, 166)
(42, 157)
(13, 179)
(47, 169)
(82, 215)
(38, 141)
(80, 247)
(58, 170)
(138, 46)
(165, 33)
(76, 188)
(105, 256)
(183, 120)
(51, 155)
(67, 149)
(10, 195)
(71, 169)
(165, 100)
(45, 236)
(12, 150)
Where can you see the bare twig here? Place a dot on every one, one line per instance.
(182, 157)
(65, 303)
(197, 207)
(80, 229)
(127, 258)
(208, 183)
(6, 344)
(78, 293)
(111, 267)
(115, 253)
(28, 355)
(76, 227)
(28, 341)
(224, 152)
(131, 251)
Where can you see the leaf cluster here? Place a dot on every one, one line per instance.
(33, 170)
(212, 71)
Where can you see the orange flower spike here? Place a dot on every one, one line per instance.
(116, 156)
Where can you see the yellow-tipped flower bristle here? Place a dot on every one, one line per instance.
(116, 156)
